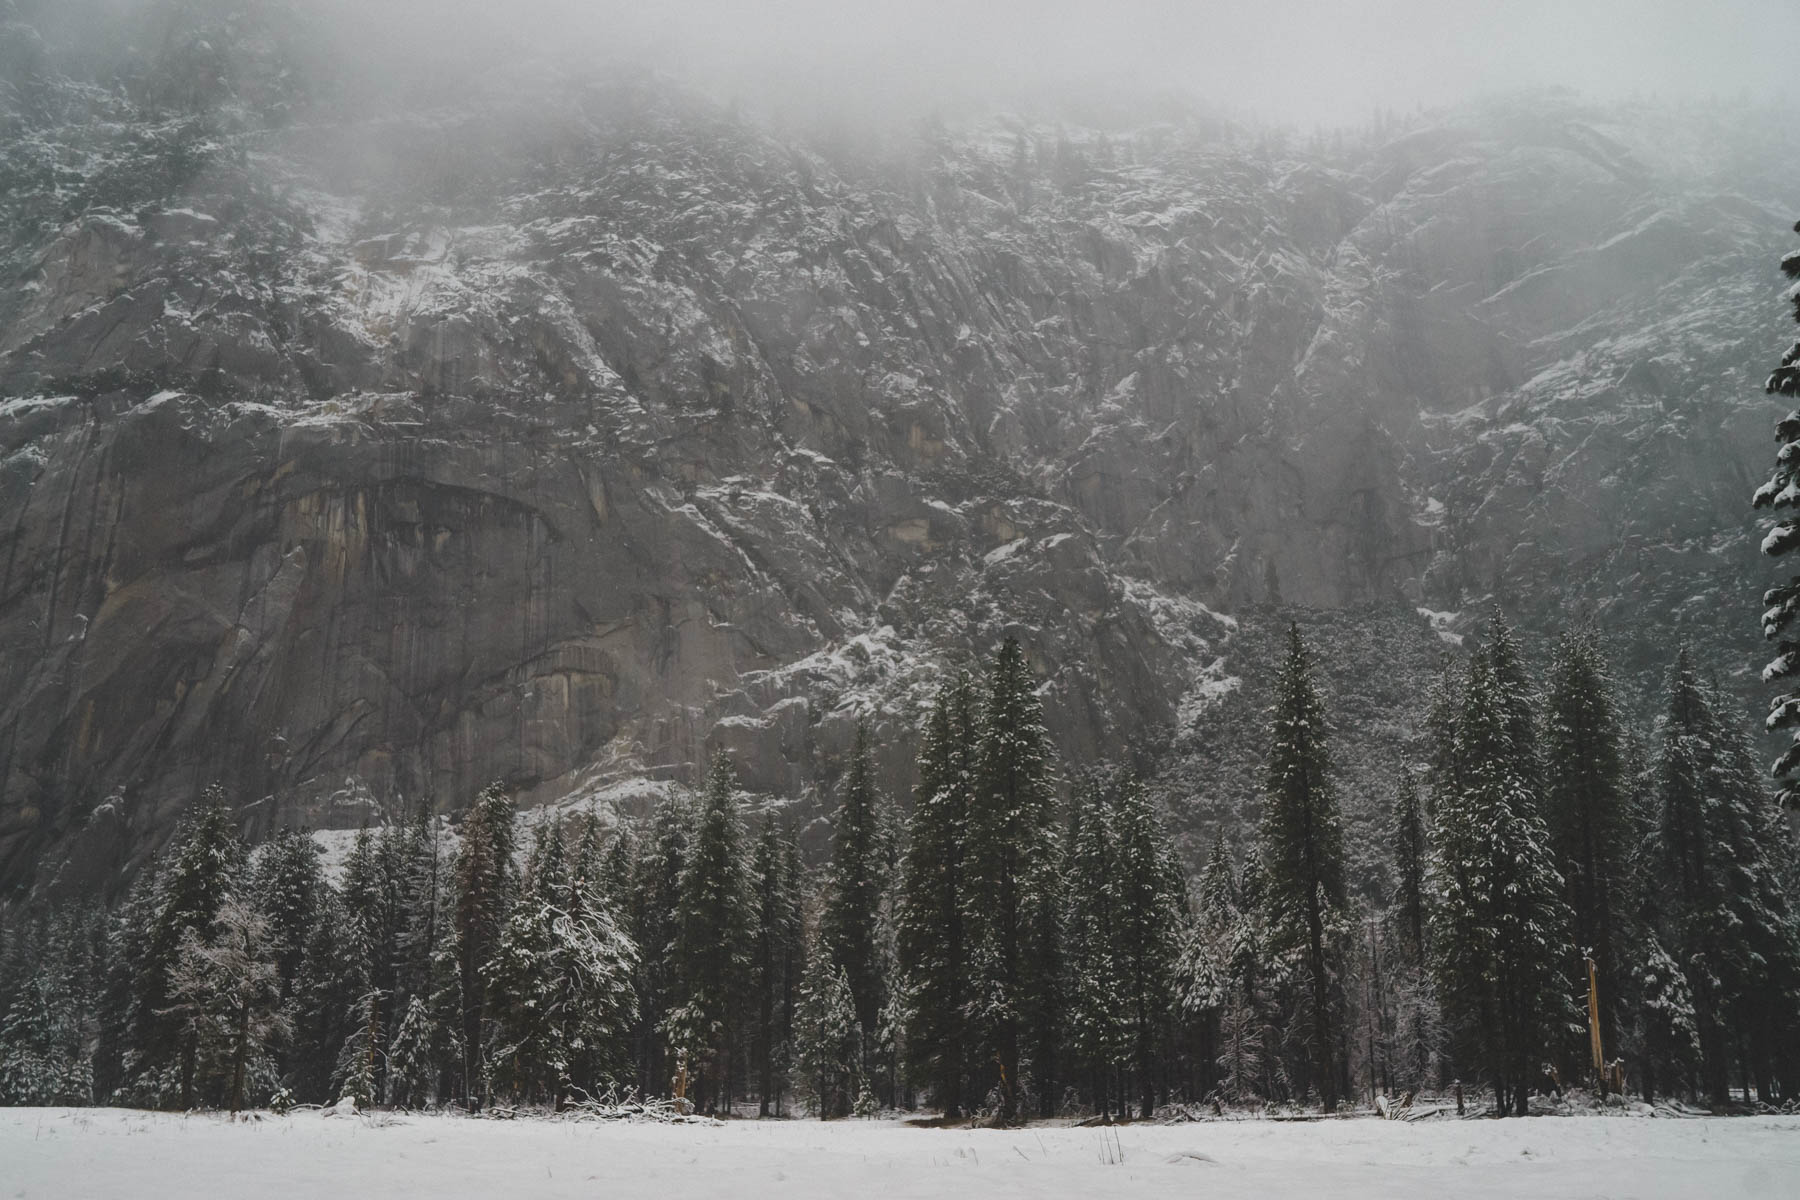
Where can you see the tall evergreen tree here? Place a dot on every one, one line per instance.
(1499, 931)
(711, 946)
(1782, 602)
(1411, 856)
(849, 927)
(930, 940)
(1518, 702)
(828, 1039)
(286, 887)
(225, 990)
(1095, 1000)
(560, 982)
(485, 884)
(777, 956)
(1011, 887)
(1303, 850)
(1587, 807)
(1218, 898)
(654, 896)
(1151, 909)
(202, 872)
(324, 995)
(47, 998)
(1725, 917)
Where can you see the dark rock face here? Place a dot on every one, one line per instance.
(632, 432)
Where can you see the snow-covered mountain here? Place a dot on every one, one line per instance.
(354, 452)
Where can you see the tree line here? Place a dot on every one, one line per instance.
(999, 952)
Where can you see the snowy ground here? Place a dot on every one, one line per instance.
(101, 1153)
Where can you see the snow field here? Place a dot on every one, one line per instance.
(97, 1154)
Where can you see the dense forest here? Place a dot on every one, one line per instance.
(994, 953)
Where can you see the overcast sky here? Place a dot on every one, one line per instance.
(1303, 61)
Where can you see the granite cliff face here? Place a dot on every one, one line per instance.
(564, 433)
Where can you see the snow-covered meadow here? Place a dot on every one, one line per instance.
(97, 1154)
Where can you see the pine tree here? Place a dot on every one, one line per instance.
(559, 983)
(828, 1040)
(286, 884)
(417, 875)
(1725, 918)
(325, 992)
(849, 927)
(355, 1073)
(1151, 907)
(1518, 702)
(1303, 846)
(710, 949)
(776, 955)
(1218, 883)
(654, 896)
(931, 943)
(45, 1015)
(412, 1069)
(225, 989)
(1093, 1020)
(1587, 807)
(484, 891)
(190, 890)
(1410, 861)
(374, 896)
(1010, 888)
(1499, 929)
(1782, 602)
(1442, 772)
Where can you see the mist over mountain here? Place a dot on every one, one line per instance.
(367, 436)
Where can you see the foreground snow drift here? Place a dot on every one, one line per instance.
(102, 1153)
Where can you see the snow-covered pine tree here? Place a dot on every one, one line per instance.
(325, 992)
(225, 990)
(849, 926)
(126, 944)
(420, 878)
(652, 900)
(195, 881)
(484, 887)
(777, 951)
(46, 1013)
(1669, 1026)
(1442, 773)
(1724, 916)
(1411, 854)
(1010, 888)
(355, 1073)
(1587, 809)
(1241, 1068)
(1499, 929)
(1782, 602)
(616, 865)
(1094, 1002)
(559, 983)
(930, 940)
(827, 1038)
(1152, 904)
(367, 892)
(286, 884)
(412, 1067)
(711, 945)
(1303, 854)
(1518, 701)
(1217, 892)
(1202, 975)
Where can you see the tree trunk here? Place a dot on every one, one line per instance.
(240, 1051)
